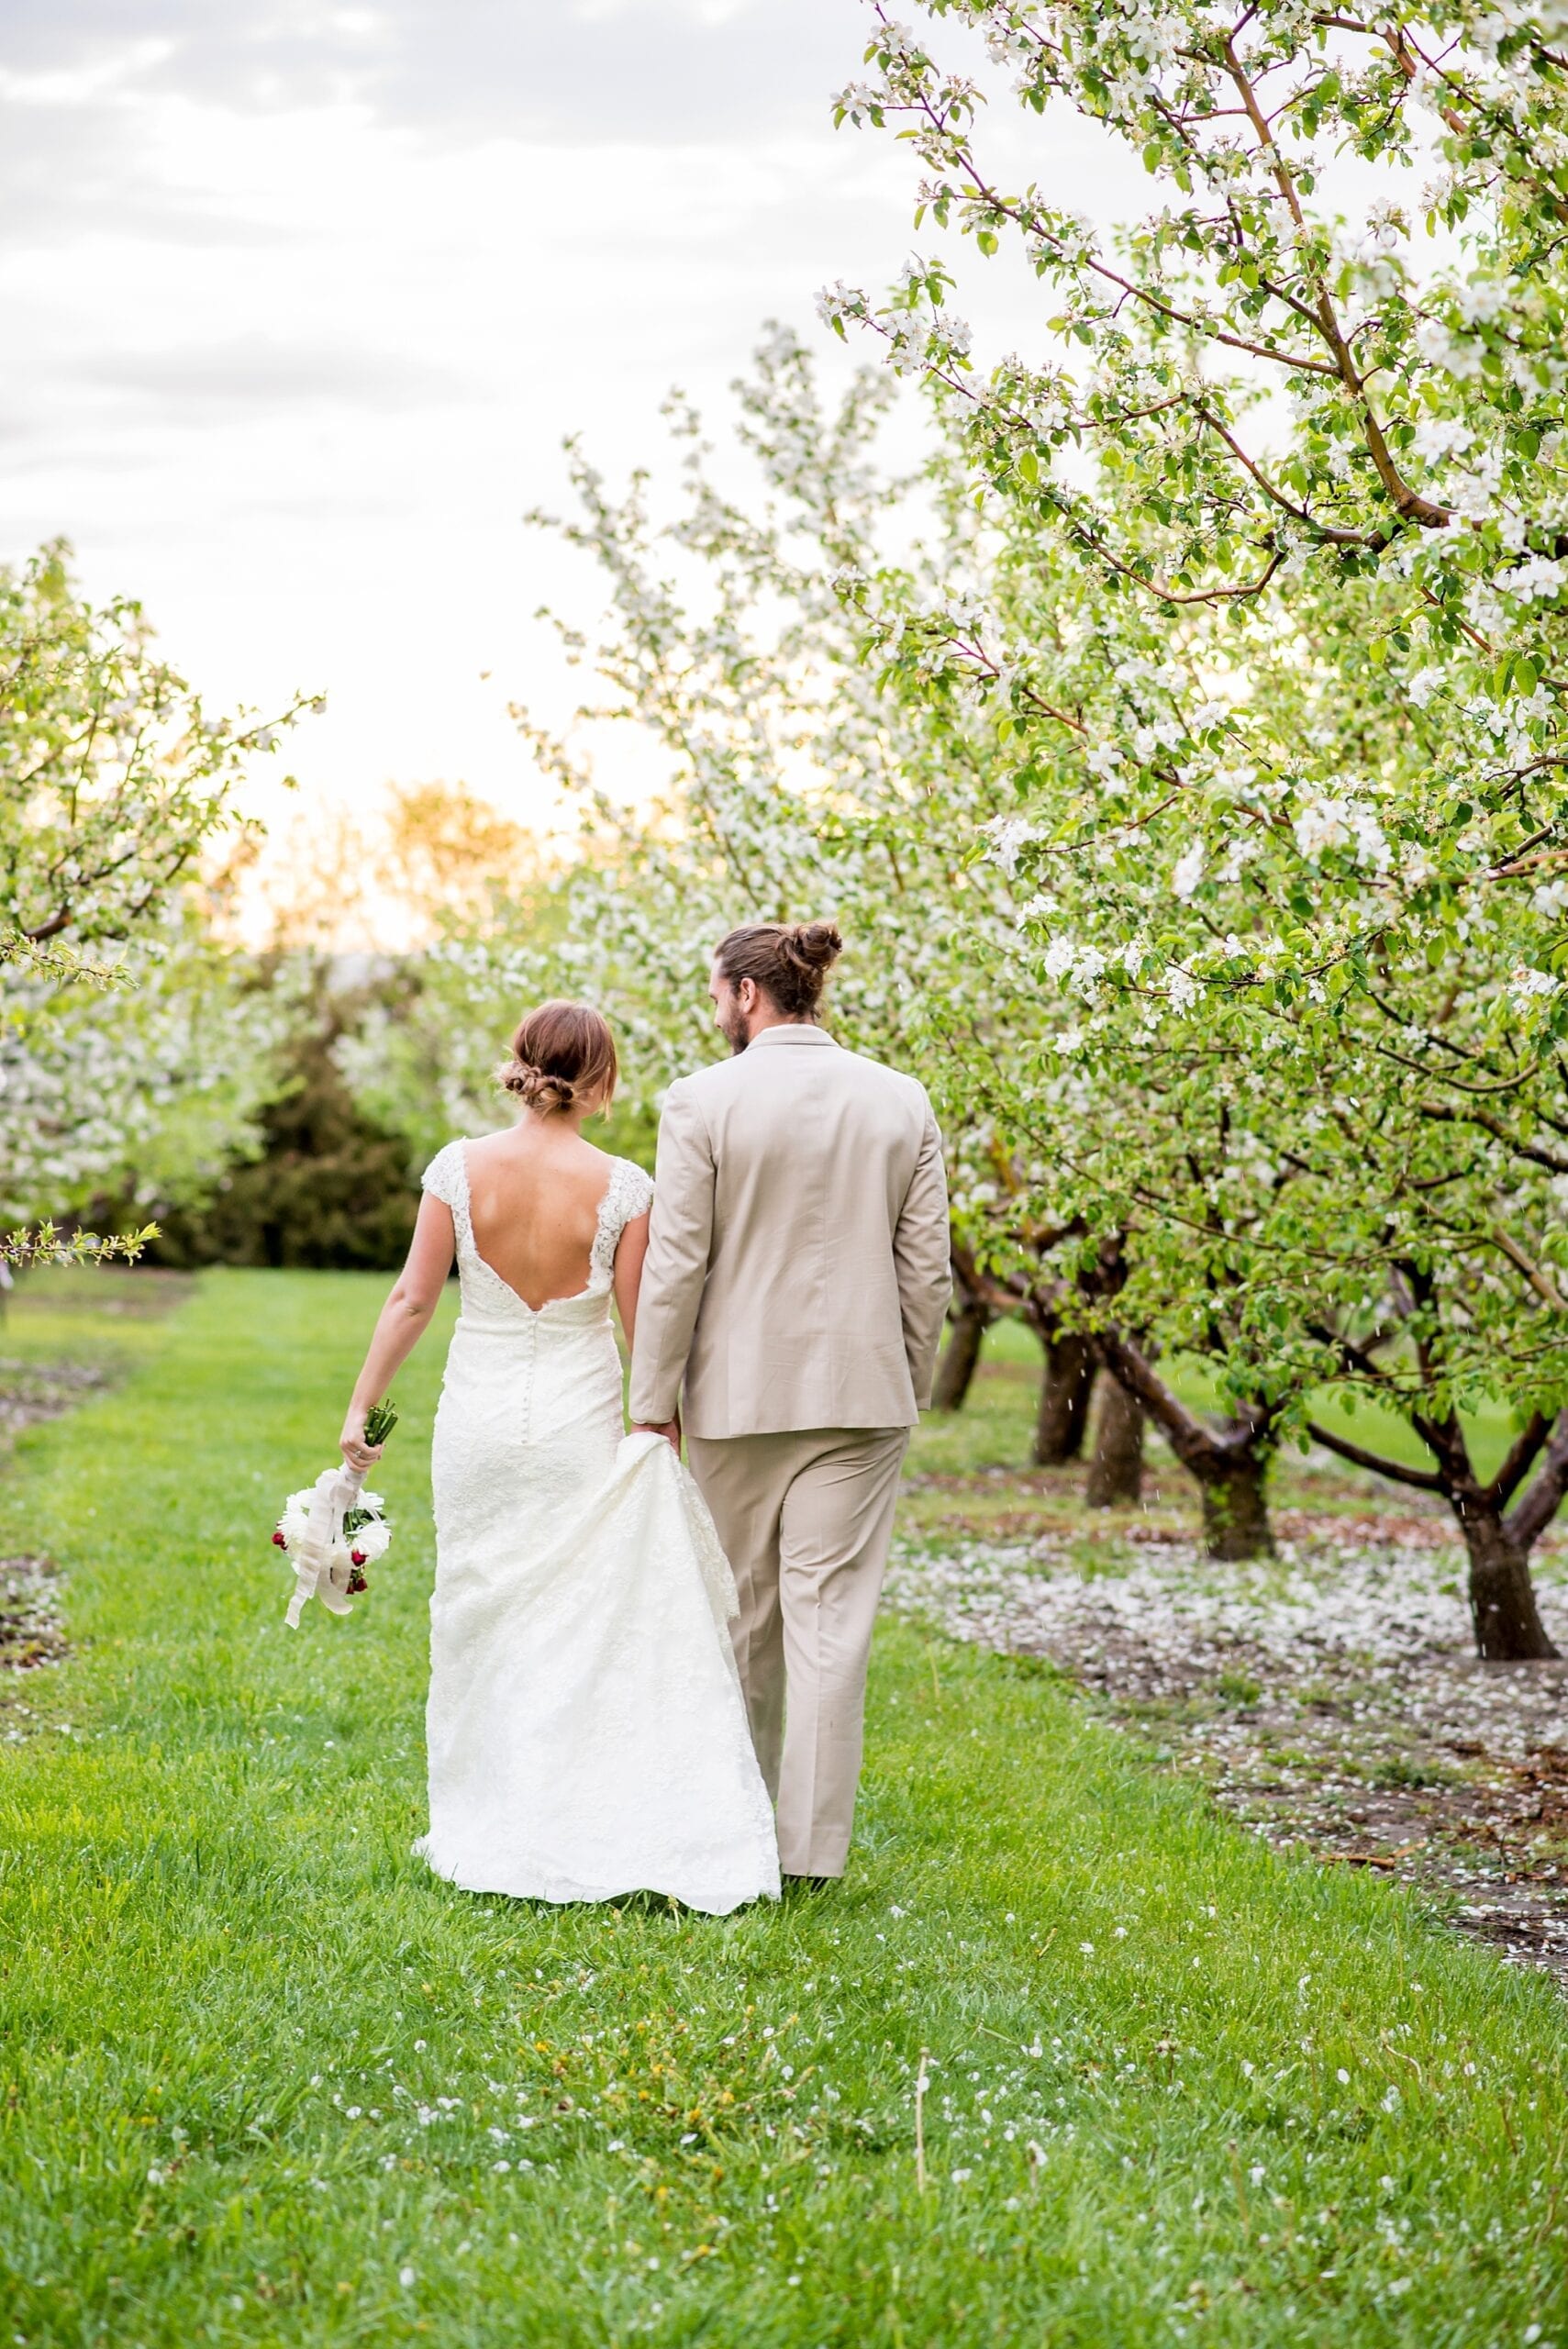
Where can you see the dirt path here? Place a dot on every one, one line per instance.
(32, 1629)
(1331, 1699)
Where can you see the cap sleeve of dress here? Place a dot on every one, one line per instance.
(443, 1176)
(635, 1190)
(628, 1194)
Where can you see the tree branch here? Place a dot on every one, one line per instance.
(1521, 1452)
(1328, 531)
(1407, 503)
(1552, 1160)
(1534, 1512)
(1540, 1280)
(1423, 1479)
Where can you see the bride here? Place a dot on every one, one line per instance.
(587, 1736)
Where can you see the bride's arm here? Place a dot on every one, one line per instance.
(629, 1258)
(403, 1320)
(629, 1253)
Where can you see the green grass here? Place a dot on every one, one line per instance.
(253, 2056)
(996, 1427)
(112, 1318)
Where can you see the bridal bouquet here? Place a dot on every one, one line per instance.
(333, 1528)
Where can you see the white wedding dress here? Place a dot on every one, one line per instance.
(587, 1734)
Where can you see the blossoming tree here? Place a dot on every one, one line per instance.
(1305, 882)
(794, 783)
(126, 1043)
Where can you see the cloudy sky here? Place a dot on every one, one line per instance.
(302, 299)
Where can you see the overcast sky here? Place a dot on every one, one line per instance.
(300, 301)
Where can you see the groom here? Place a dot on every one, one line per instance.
(795, 1289)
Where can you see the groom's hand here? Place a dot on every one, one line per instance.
(669, 1428)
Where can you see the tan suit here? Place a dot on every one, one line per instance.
(795, 1289)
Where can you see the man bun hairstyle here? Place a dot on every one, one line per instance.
(560, 1052)
(789, 960)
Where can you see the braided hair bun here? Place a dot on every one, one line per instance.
(562, 1054)
(536, 1090)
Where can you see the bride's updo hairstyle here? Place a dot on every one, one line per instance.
(788, 960)
(560, 1053)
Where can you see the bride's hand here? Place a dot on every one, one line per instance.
(352, 1445)
(669, 1428)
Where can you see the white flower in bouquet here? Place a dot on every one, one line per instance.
(370, 1539)
(334, 1528)
(291, 1525)
(365, 1534)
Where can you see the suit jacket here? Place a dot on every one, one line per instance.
(797, 1269)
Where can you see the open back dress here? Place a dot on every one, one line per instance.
(586, 1732)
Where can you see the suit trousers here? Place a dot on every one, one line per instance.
(806, 1519)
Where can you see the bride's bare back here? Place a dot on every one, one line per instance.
(533, 1198)
(530, 1202)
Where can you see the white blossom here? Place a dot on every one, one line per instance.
(1528, 985)
(1009, 836)
(1188, 872)
(1335, 823)
(1541, 577)
(839, 301)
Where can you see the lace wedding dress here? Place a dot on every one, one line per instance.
(587, 1736)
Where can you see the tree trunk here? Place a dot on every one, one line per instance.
(960, 1355)
(1503, 1614)
(1508, 1627)
(1235, 1509)
(1229, 1463)
(1063, 1401)
(1115, 1472)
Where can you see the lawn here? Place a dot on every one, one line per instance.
(997, 1431)
(266, 2081)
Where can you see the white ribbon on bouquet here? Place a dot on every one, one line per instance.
(317, 1574)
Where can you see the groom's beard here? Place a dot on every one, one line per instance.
(733, 1027)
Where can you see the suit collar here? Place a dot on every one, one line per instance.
(793, 1031)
